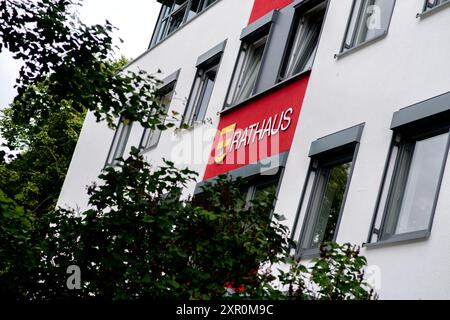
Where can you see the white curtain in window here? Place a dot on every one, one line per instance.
(250, 72)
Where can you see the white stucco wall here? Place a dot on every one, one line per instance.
(408, 66)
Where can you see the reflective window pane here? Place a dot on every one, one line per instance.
(421, 185)
(304, 42)
(329, 196)
(250, 70)
(368, 20)
(176, 20)
(201, 94)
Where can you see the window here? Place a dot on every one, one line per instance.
(329, 176)
(247, 70)
(201, 93)
(119, 142)
(258, 188)
(174, 13)
(411, 185)
(150, 137)
(431, 4)
(323, 196)
(369, 20)
(303, 42)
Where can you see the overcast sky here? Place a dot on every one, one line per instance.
(134, 18)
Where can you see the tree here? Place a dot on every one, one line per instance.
(71, 57)
(33, 175)
(140, 240)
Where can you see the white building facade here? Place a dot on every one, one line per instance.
(341, 107)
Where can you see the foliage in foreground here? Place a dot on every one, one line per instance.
(140, 241)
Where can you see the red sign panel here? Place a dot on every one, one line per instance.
(261, 7)
(257, 130)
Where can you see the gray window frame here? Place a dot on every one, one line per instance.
(117, 149)
(167, 85)
(301, 10)
(239, 75)
(197, 95)
(437, 3)
(258, 181)
(414, 131)
(343, 50)
(155, 134)
(255, 32)
(205, 63)
(324, 152)
(426, 10)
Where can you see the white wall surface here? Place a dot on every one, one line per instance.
(408, 66)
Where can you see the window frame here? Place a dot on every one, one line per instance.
(198, 88)
(340, 155)
(166, 88)
(414, 132)
(257, 31)
(335, 145)
(436, 5)
(343, 50)
(300, 13)
(112, 158)
(258, 181)
(240, 69)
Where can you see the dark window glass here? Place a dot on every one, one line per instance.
(326, 204)
(176, 20)
(261, 191)
(261, 188)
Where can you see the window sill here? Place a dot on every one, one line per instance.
(399, 239)
(360, 46)
(237, 105)
(433, 10)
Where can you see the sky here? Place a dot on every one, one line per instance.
(135, 19)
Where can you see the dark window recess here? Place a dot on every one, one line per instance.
(175, 13)
(431, 4)
(259, 188)
(411, 185)
(327, 183)
(368, 20)
(119, 142)
(303, 41)
(247, 70)
(201, 93)
(150, 137)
